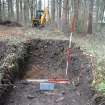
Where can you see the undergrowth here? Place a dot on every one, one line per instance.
(94, 45)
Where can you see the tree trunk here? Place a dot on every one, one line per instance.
(17, 10)
(58, 14)
(56, 11)
(31, 8)
(64, 16)
(10, 10)
(34, 10)
(0, 11)
(53, 10)
(39, 5)
(68, 10)
(35, 6)
(48, 3)
(75, 20)
(90, 17)
(60, 5)
(44, 4)
(3, 10)
(21, 10)
(26, 12)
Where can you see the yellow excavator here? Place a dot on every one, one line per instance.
(42, 18)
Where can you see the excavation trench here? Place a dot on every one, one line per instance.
(47, 59)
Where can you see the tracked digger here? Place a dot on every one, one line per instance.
(42, 18)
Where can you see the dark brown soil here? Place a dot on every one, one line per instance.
(48, 60)
(10, 23)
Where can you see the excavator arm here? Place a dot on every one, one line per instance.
(45, 17)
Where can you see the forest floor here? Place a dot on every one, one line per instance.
(28, 94)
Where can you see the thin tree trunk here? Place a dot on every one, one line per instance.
(10, 9)
(90, 17)
(58, 14)
(35, 6)
(68, 10)
(53, 10)
(3, 11)
(39, 5)
(44, 4)
(26, 12)
(56, 11)
(103, 9)
(21, 10)
(60, 5)
(17, 10)
(48, 3)
(0, 11)
(76, 7)
(32, 6)
(34, 10)
(64, 16)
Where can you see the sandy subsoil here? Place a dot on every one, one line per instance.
(49, 62)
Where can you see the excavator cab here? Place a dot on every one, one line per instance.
(37, 20)
(39, 13)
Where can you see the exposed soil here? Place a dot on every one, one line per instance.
(10, 23)
(48, 60)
